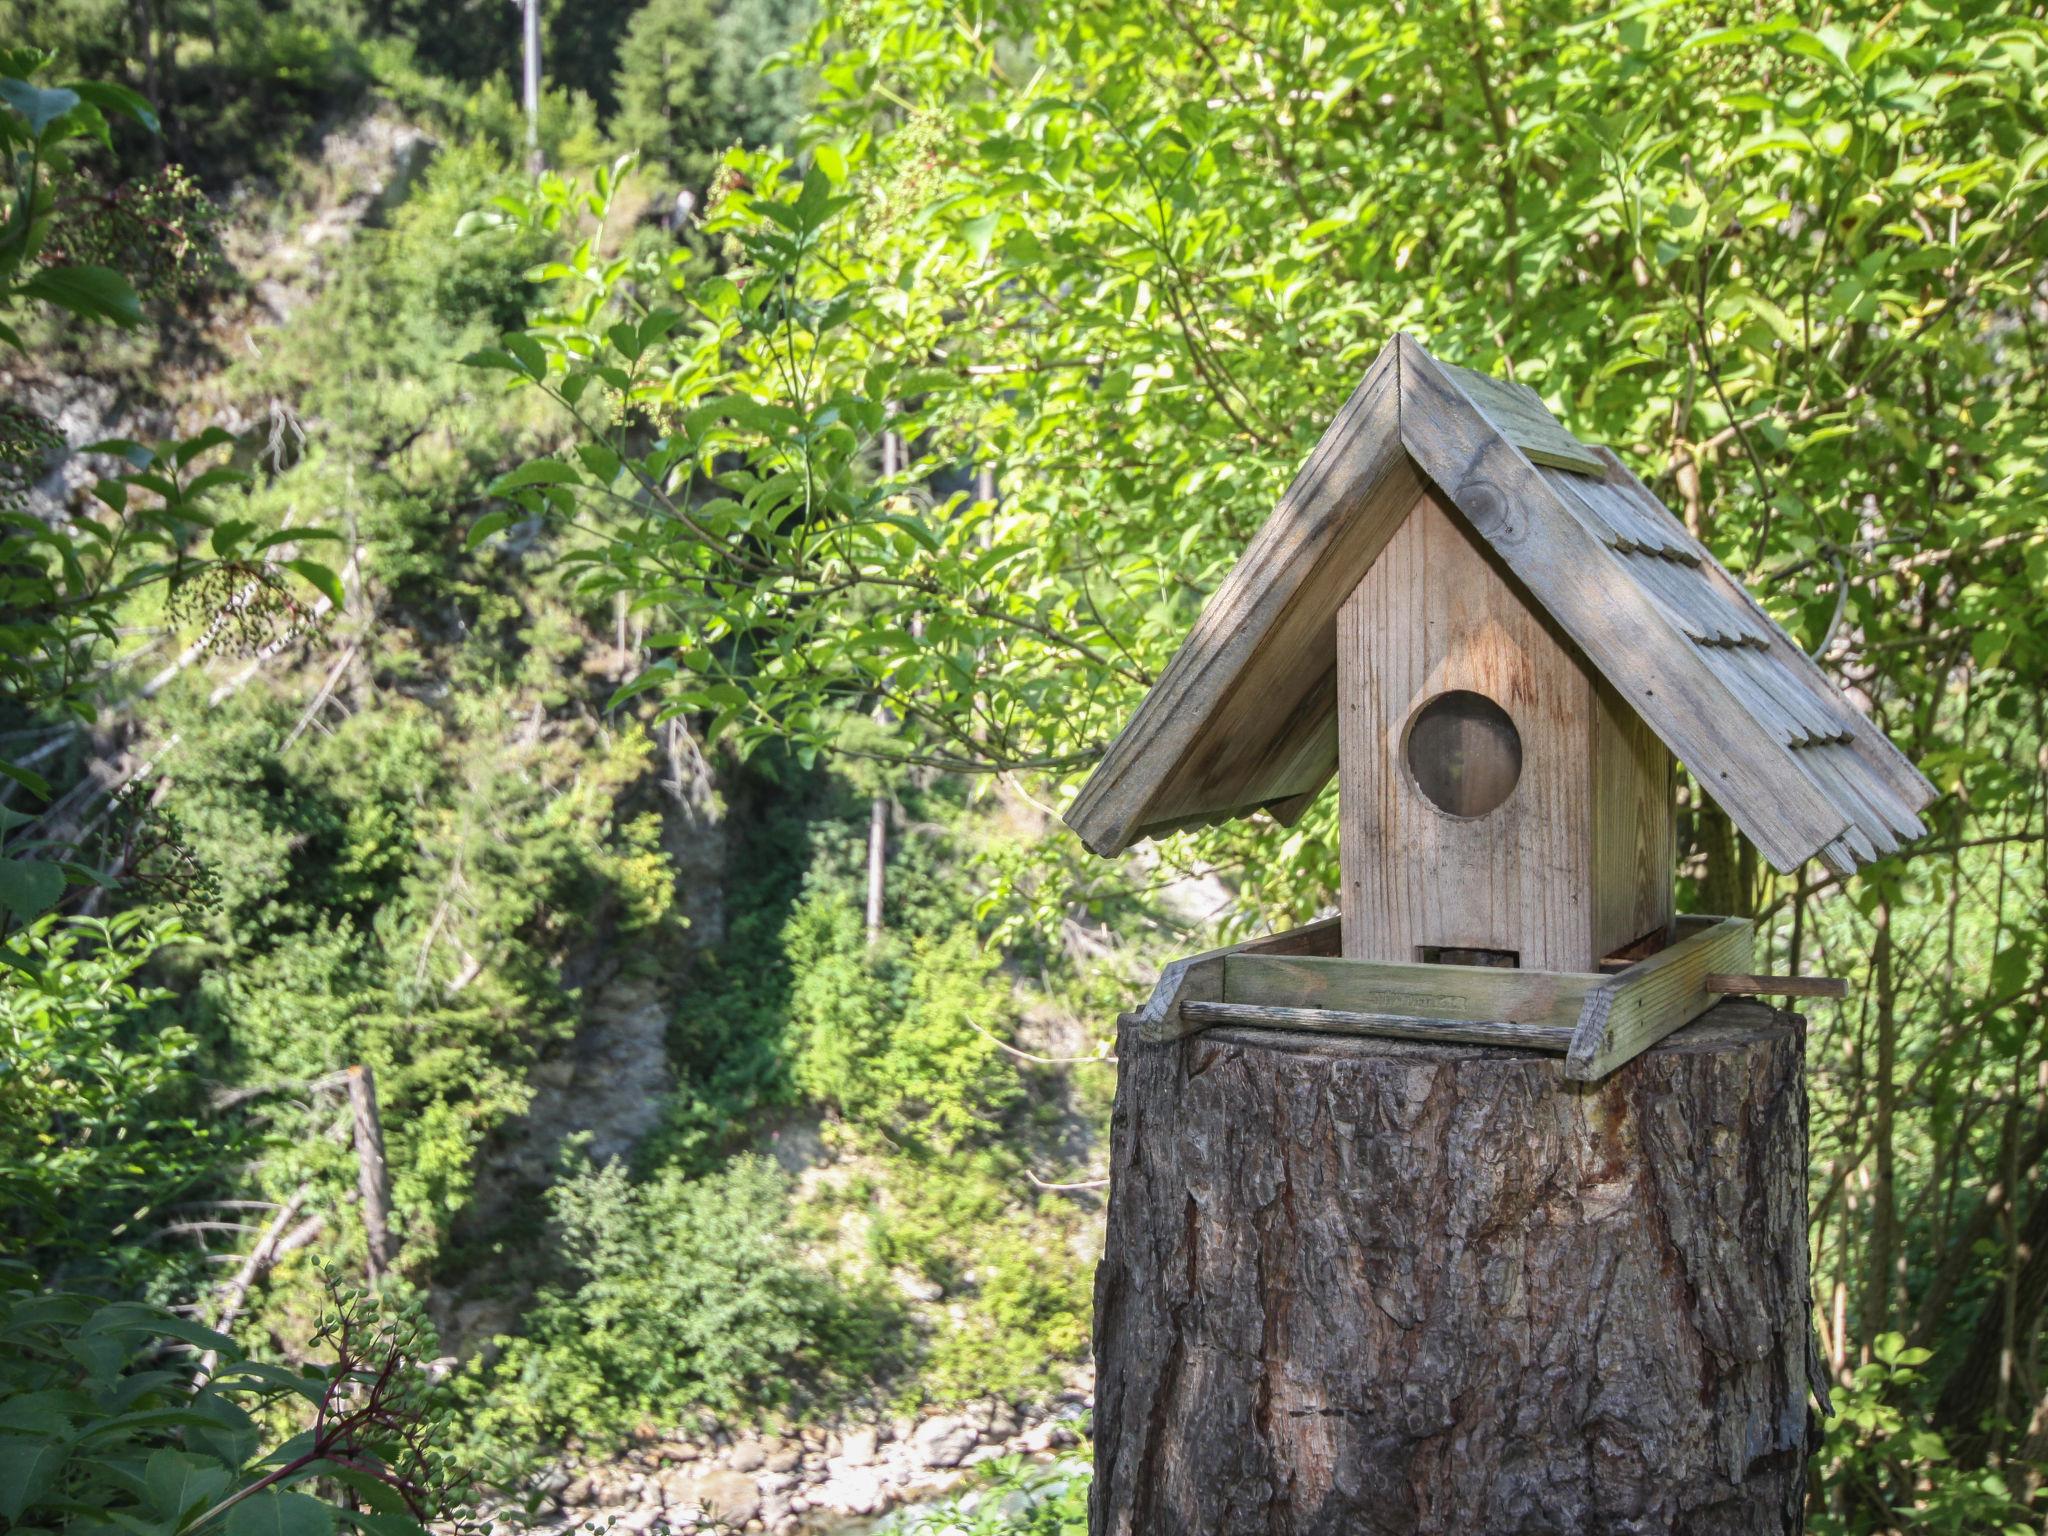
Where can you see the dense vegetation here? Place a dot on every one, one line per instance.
(534, 595)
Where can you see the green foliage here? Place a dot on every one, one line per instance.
(690, 82)
(689, 1298)
(1890, 1472)
(99, 1120)
(103, 1426)
(163, 528)
(1012, 1497)
(897, 1041)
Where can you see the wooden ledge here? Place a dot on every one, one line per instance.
(1595, 1022)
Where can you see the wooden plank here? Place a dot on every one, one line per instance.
(1200, 977)
(1223, 729)
(1518, 413)
(1326, 1021)
(1423, 991)
(1620, 629)
(1630, 1012)
(1725, 984)
(1436, 613)
(1872, 745)
(1634, 830)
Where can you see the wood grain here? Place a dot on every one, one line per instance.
(1631, 1011)
(1633, 827)
(1556, 1038)
(1518, 413)
(1739, 985)
(1197, 978)
(1578, 580)
(1369, 1287)
(1428, 991)
(1906, 782)
(1436, 614)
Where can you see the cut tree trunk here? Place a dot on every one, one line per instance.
(1356, 1285)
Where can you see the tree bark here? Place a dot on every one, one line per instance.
(1366, 1286)
(373, 1179)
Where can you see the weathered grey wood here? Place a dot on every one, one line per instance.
(1432, 616)
(1726, 984)
(1244, 715)
(1876, 751)
(1578, 581)
(1518, 414)
(1199, 978)
(1556, 1038)
(1361, 1287)
(1426, 991)
(1632, 1010)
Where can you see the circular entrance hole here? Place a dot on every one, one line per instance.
(1464, 753)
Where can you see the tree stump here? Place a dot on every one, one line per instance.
(1366, 1286)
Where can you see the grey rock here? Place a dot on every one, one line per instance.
(729, 1495)
(942, 1442)
(747, 1456)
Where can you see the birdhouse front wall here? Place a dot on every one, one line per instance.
(1498, 803)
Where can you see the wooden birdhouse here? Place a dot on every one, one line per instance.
(1498, 641)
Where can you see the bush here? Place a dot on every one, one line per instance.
(104, 1427)
(899, 1040)
(690, 1298)
(99, 1114)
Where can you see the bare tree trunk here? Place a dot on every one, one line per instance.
(878, 808)
(1363, 1287)
(878, 855)
(1882, 1259)
(372, 1177)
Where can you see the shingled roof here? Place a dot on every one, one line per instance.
(1245, 719)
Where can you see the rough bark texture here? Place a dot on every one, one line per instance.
(1365, 1286)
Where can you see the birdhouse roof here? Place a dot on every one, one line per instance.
(1245, 716)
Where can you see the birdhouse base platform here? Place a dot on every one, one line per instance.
(1595, 1020)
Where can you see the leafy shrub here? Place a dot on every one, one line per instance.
(1013, 1497)
(103, 1427)
(99, 1122)
(898, 1039)
(690, 1297)
(1887, 1471)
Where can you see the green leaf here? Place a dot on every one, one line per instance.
(537, 472)
(170, 1326)
(93, 293)
(29, 887)
(493, 357)
(27, 778)
(271, 1513)
(321, 579)
(179, 1483)
(485, 526)
(914, 528)
(979, 232)
(654, 676)
(228, 535)
(42, 105)
(533, 359)
(374, 1491)
(28, 1468)
(382, 1523)
(109, 97)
